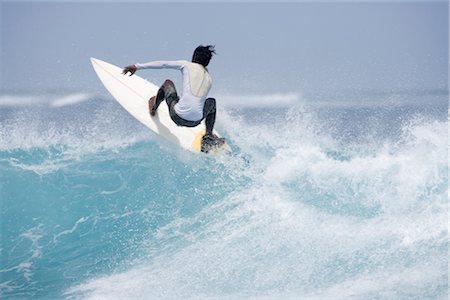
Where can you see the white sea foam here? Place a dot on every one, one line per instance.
(41, 168)
(26, 267)
(69, 231)
(307, 225)
(100, 129)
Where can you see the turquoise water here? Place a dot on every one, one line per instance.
(321, 200)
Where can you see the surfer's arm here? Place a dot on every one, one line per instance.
(161, 64)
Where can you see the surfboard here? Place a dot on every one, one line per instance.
(133, 92)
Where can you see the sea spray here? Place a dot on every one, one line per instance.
(307, 225)
(94, 206)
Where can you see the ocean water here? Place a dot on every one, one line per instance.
(337, 196)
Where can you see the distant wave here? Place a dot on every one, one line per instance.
(71, 99)
(330, 99)
(259, 100)
(52, 100)
(228, 100)
(326, 98)
(20, 100)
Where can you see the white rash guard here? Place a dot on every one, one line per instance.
(196, 85)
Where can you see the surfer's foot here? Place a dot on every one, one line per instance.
(151, 106)
(210, 141)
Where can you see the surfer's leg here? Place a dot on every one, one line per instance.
(209, 113)
(151, 103)
(157, 101)
(166, 90)
(209, 140)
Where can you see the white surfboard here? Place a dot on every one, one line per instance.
(133, 92)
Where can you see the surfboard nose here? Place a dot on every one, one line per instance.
(94, 60)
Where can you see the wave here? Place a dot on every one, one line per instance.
(295, 213)
(260, 100)
(20, 100)
(51, 100)
(306, 223)
(90, 126)
(228, 100)
(322, 99)
(71, 99)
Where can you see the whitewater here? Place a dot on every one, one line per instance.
(327, 197)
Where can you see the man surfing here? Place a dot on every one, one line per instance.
(193, 106)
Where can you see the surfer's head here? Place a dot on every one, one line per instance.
(202, 54)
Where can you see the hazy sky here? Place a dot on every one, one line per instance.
(262, 47)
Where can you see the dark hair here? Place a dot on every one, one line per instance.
(202, 54)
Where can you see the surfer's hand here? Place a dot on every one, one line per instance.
(132, 69)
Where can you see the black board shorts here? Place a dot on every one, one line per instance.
(171, 100)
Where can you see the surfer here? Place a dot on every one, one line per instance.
(193, 106)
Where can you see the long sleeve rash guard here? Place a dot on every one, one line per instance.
(196, 85)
